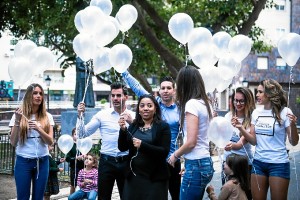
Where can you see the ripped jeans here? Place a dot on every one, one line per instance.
(198, 173)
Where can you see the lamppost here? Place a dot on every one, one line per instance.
(48, 81)
(245, 83)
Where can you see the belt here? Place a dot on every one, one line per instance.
(116, 159)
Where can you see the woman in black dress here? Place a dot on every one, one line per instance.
(148, 142)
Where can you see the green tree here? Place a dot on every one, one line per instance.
(155, 52)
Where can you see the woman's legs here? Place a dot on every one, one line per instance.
(23, 174)
(259, 186)
(40, 178)
(279, 188)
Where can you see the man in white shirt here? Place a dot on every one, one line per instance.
(112, 162)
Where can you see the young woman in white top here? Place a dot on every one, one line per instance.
(271, 124)
(31, 133)
(196, 113)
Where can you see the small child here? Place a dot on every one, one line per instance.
(87, 180)
(236, 170)
(52, 184)
(76, 162)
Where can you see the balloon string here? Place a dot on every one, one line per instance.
(291, 80)
(186, 54)
(87, 79)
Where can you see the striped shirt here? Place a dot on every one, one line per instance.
(91, 175)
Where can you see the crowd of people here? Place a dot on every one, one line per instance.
(141, 151)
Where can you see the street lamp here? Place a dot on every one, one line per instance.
(245, 83)
(48, 81)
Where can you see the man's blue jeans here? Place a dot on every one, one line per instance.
(198, 173)
(79, 194)
(26, 171)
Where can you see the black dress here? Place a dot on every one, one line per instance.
(141, 183)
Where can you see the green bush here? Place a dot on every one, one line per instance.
(103, 101)
(298, 100)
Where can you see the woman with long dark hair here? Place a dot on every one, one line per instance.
(196, 113)
(148, 141)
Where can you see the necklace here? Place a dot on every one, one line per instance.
(144, 129)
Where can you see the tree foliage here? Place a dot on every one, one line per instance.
(51, 23)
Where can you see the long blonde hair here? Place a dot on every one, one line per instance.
(40, 116)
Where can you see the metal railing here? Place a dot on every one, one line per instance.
(7, 156)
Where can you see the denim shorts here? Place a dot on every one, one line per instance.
(281, 170)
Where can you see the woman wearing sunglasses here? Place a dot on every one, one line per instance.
(243, 104)
(148, 141)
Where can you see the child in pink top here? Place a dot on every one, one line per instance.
(87, 180)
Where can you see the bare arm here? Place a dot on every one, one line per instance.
(250, 137)
(292, 131)
(192, 132)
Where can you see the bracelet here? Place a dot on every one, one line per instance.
(175, 155)
(17, 125)
(18, 121)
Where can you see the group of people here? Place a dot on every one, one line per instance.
(140, 149)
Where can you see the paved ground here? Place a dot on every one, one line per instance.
(8, 190)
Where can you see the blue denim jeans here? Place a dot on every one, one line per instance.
(79, 194)
(26, 171)
(198, 173)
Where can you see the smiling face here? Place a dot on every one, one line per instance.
(147, 109)
(167, 92)
(37, 96)
(239, 102)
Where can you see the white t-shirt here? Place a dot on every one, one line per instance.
(198, 108)
(270, 136)
(247, 149)
(34, 146)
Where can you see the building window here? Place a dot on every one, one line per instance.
(280, 64)
(262, 63)
(280, 5)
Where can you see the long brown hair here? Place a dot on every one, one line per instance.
(40, 116)
(190, 85)
(276, 95)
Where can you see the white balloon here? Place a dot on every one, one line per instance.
(104, 5)
(220, 131)
(101, 60)
(90, 17)
(120, 57)
(223, 84)
(240, 46)
(210, 77)
(221, 41)
(65, 143)
(289, 48)
(105, 32)
(84, 46)
(180, 27)
(227, 66)
(20, 70)
(77, 21)
(126, 16)
(41, 58)
(23, 48)
(84, 145)
(199, 39)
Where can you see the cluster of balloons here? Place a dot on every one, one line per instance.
(205, 50)
(289, 48)
(220, 131)
(97, 29)
(65, 143)
(30, 60)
